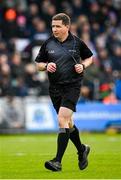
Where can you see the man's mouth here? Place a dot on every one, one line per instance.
(55, 34)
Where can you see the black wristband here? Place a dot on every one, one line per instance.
(46, 65)
(83, 66)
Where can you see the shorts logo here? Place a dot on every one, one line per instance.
(51, 51)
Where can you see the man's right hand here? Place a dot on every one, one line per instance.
(51, 67)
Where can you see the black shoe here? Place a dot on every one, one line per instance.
(53, 165)
(82, 158)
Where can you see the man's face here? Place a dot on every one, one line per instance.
(59, 29)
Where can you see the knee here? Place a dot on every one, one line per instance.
(63, 121)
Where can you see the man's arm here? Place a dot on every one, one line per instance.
(87, 62)
(50, 67)
(79, 68)
(41, 66)
(41, 58)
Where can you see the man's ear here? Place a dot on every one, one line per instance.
(68, 27)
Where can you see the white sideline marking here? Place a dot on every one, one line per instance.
(25, 154)
(20, 154)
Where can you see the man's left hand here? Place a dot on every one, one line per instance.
(79, 68)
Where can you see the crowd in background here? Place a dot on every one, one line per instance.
(26, 24)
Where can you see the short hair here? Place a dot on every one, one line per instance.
(62, 16)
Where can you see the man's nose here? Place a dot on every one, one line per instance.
(54, 29)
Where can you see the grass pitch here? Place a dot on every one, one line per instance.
(23, 157)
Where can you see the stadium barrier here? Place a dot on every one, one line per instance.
(33, 114)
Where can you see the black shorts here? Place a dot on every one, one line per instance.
(64, 96)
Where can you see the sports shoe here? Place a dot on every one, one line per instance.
(82, 158)
(53, 165)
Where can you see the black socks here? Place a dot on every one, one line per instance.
(62, 142)
(74, 137)
(63, 138)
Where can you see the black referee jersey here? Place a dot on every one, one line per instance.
(61, 54)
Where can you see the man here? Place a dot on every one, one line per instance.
(61, 56)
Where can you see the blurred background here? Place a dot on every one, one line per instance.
(24, 102)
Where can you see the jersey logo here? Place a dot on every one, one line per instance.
(72, 50)
(51, 51)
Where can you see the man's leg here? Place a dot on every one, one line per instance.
(74, 137)
(64, 117)
(83, 150)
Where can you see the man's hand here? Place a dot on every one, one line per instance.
(51, 67)
(79, 68)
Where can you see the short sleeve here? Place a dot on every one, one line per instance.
(42, 55)
(85, 52)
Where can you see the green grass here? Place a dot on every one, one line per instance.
(23, 157)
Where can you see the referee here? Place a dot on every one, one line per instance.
(65, 57)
